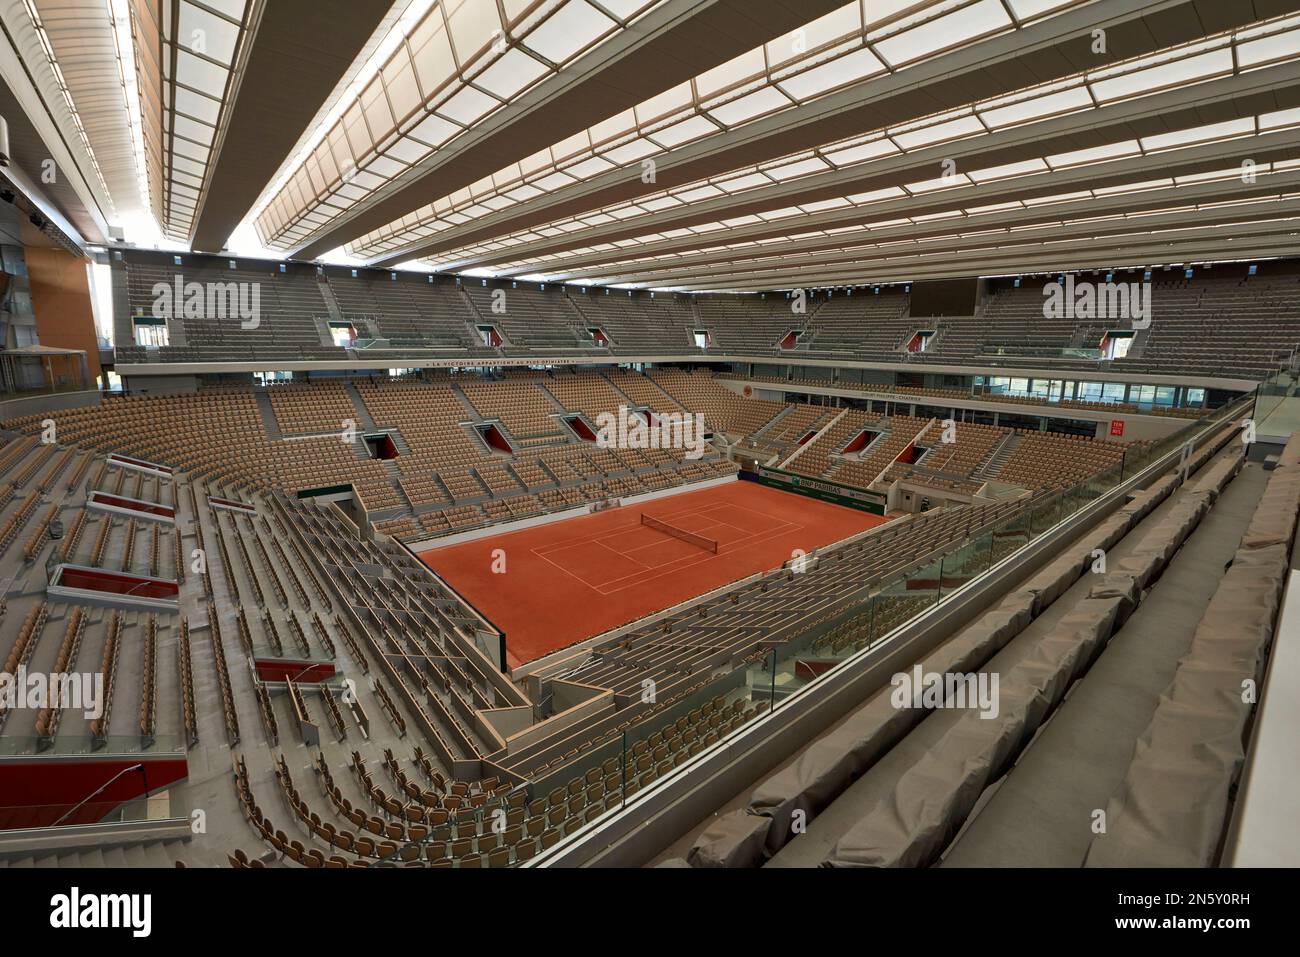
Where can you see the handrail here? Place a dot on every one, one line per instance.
(99, 790)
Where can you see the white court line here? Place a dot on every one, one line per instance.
(668, 568)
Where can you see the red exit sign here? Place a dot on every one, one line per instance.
(1116, 426)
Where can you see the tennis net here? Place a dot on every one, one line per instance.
(708, 544)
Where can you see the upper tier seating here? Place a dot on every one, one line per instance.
(1224, 323)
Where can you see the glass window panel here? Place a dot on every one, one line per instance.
(1094, 154)
(399, 80)
(472, 25)
(863, 151)
(199, 74)
(851, 68)
(1164, 76)
(1281, 46)
(378, 116)
(747, 66)
(664, 104)
(1008, 169)
(431, 53)
(199, 107)
(961, 26)
(759, 103)
(512, 72)
(407, 150)
(194, 131)
(434, 130)
(683, 132)
(631, 151)
(204, 33)
(1053, 104)
(615, 126)
(833, 26)
(941, 132)
(568, 31)
(467, 106)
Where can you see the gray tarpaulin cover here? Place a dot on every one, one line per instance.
(731, 840)
(917, 820)
(1172, 808)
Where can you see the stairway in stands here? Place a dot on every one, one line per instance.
(364, 419)
(998, 456)
(263, 400)
(144, 854)
(770, 423)
(331, 306)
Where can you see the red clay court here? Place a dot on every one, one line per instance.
(580, 577)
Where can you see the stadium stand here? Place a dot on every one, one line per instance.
(522, 435)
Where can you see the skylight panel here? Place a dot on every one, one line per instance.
(765, 101)
(851, 68)
(631, 151)
(219, 36)
(1280, 119)
(1200, 134)
(1023, 168)
(512, 72)
(409, 151)
(1095, 154)
(740, 183)
(745, 67)
(589, 168)
(683, 132)
(660, 203)
(434, 130)
(939, 133)
(825, 205)
(791, 170)
(993, 208)
(467, 106)
(1134, 187)
(199, 74)
(1052, 104)
(954, 29)
(863, 151)
(1058, 198)
(707, 191)
(1029, 9)
(575, 26)
(876, 195)
(1280, 46)
(1192, 69)
(940, 182)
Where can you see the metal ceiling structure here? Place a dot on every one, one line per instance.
(684, 144)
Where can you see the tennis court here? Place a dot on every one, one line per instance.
(570, 580)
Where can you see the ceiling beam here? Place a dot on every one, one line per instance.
(1187, 161)
(1051, 49)
(1262, 193)
(1231, 98)
(289, 73)
(1278, 238)
(811, 267)
(669, 45)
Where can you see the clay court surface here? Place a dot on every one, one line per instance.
(577, 578)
